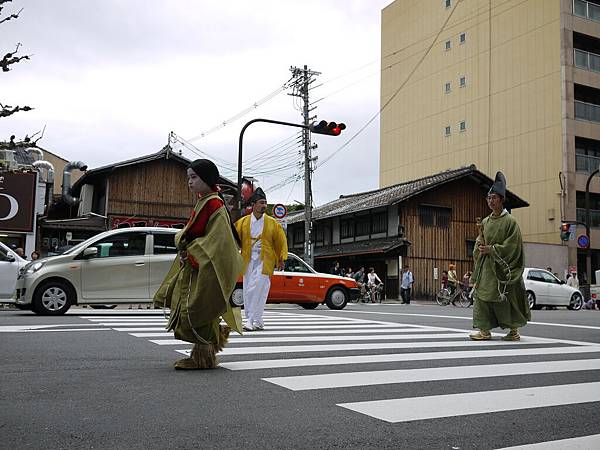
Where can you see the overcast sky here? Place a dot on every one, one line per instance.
(110, 79)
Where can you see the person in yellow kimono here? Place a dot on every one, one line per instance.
(264, 247)
(200, 282)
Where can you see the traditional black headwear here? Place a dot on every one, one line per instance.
(499, 186)
(206, 170)
(258, 194)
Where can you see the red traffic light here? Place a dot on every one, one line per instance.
(330, 129)
(565, 227)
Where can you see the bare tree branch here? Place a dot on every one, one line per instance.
(8, 110)
(10, 58)
(12, 16)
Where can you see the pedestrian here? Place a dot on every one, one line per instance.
(349, 272)
(373, 282)
(572, 280)
(445, 279)
(335, 269)
(202, 278)
(359, 277)
(500, 298)
(35, 255)
(19, 251)
(264, 247)
(406, 285)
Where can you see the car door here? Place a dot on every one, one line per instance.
(163, 254)
(9, 270)
(300, 282)
(555, 289)
(119, 271)
(537, 283)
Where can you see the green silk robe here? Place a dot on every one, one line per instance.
(500, 272)
(199, 298)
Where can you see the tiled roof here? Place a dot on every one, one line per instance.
(369, 246)
(397, 193)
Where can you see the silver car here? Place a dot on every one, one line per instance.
(544, 289)
(118, 266)
(10, 265)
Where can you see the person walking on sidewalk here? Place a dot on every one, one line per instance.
(406, 285)
(264, 247)
(202, 278)
(500, 298)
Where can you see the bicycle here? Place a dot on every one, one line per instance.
(445, 297)
(372, 294)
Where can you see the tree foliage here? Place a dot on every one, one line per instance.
(8, 60)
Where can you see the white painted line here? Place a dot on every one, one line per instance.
(359, 346)
(400, 376)
(292, 327)
(129, 319)
(17, 328)
(129, 324)
(255, 340)
(139, 329)
(54, 330)
(420, 408)
(579, 443)
(398, 357)
(309, 332)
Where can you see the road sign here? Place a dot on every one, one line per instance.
(279, 211)
(583, 241)
(572, 231)
(282, 222)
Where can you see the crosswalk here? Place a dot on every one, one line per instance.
(321, 353)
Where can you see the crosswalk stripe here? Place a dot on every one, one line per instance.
(451, 405)
(255, 340)
(579, 443)
(359, 346)
(399, 376)
(398, 357)
(412, 331)
(293, 327)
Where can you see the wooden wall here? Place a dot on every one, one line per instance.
(433, 246)
(157, 189)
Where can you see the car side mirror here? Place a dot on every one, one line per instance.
(90, 252)
(10, 258)
(561, 282)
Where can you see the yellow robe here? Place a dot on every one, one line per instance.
(198, 298)
(273, 243)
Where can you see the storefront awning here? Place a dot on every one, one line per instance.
(91, 221)
(388, 246)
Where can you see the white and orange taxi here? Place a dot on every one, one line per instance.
(301, 284)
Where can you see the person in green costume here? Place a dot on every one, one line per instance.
(202, 278)
(500, 298)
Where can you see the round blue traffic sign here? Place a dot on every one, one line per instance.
(279, 211)
(583, 241)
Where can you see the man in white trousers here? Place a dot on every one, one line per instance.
(264, 246)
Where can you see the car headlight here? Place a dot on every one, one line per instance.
(32, 267)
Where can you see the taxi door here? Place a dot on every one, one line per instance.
(301, 283)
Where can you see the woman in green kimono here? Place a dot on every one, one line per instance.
(500, 297)
(201, 280)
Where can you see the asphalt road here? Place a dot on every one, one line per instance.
(104, 379)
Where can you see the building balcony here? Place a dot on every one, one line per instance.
(587, 10)
(586, 60)
(587, 111)
(586, 163)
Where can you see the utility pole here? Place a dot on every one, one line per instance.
(302, 79)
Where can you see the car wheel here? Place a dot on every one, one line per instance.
(531, 300)
(237, 297)
(576, 302)
(308, 305)
(52, 298)
(337, 298)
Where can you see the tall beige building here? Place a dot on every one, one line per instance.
(511, 85)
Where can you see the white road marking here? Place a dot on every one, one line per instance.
(398, 357)
(452, 405)
(54, 330)
(293, 327)
(400, 376)
(358, 346)
(309, 332)
(579, 443)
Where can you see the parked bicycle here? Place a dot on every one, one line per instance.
(460, 295)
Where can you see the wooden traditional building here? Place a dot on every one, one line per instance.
(150, 190)
(427, 223)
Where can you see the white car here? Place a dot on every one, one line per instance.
(125, 265)
(544, 289)
(10, 264)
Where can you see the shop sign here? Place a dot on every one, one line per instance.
(17, 201)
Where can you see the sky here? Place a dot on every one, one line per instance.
(109, 80)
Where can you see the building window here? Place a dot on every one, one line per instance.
(462, 81)
(447, 3)
(434, 216)
(299, 235)
(448, 45)
(380, 223)
(447, 131)
(346, 229)
(447, 87)
(462, 38)
(363, 226)
(462, 126)
(587, 154)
